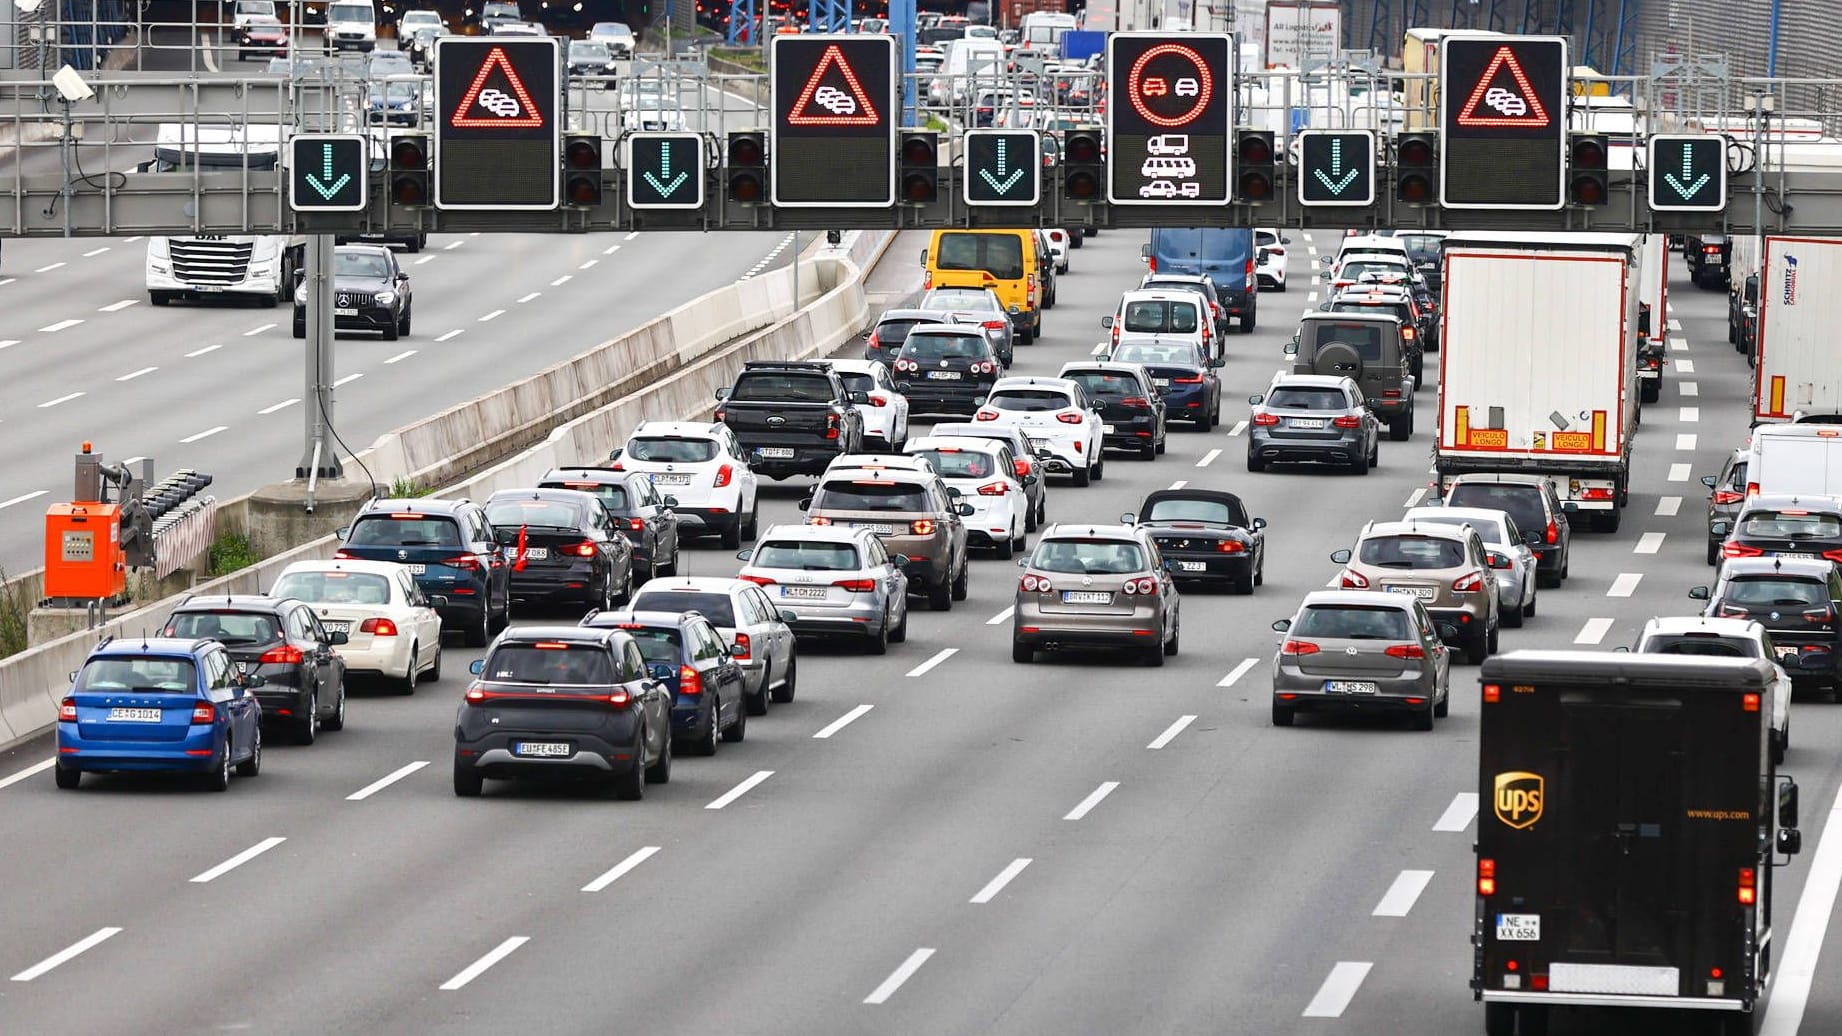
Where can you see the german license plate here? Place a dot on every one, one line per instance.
(943, 375)
(1518, 927)
(878, 528)
(774, 452)
(1791, 554)
(1785, 651)
(134, 715)
(1305, 422)
(1106, 429)
(541, 749)
(1192, 566)
(1350, 687)
(347, 312)
(1086, 597)
(1037, 444)
(534, 553)
(803, 593)
(1424, 593)
(671, 480)
(416, 570)
(337, 627)
(1161, 382)
(242, 667)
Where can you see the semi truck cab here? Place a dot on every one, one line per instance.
(246, 266)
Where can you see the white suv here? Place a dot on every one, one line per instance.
(982, 471)
(701, 465)
(1724, 638)
(1062, 424)
(885, 416)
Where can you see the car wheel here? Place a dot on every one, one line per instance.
(1282, 715)
(732, 535)
(790, 684)
(1243, 585)
(1020, 542)
(1477, 650)
(1423, 719)
(253, 765)
(706, 744)
(739, 729)
(1162, 446)
(631, 786)
(1005, 546)
(478, 635)
(626, 589)
(1512, 617)
(1170, 646)
(1443, 705)
(898, 635)
(1154, 656)
(964, 580)
(940, 597)
(1360, 466)
(1021, 653)
(307, 728)
(403, 324)
(1099, 468)
(1255, 464)
(336, 721)
(757, 700)
(407, 685)
(1247, 323)
(754, 517)
(667, 570)
(1375, 453)
(300, 327)
(661, 771)
(390, 331)
(1528, 610)
(67, 777)
(1713, 552)
(219, 777)
(1492, 641)
(505, 614)
(1401, 428)
(1081, 477)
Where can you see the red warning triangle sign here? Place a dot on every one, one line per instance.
(1518, 109)
(497, 109)
(829, 106)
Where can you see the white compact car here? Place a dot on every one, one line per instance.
(885, 416)
(1270, 245)
(982, 472)
(394, 630)
(1724, 638)
(701, 465)
(1058, 247)
(1062, 424)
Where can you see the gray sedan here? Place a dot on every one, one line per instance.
(1512, 560)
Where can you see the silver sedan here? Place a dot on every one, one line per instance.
(1512, 560)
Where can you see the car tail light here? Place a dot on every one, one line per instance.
(1036, 585)
(1740, 550)
(1066, 418)
(986, 415)
(923, 527)
(204, 712)
(1816, 614)
(1146, 586)
(1192, 380)
(1499, 561)
(378, 627)
(1405, 651)
(1231, 547)
(995, 489)
(67, 711)
(878, 400)
(287, 654)
(464, 562)
(1470, 583)
(1833, 555)
(1136, 403)
(993, 325)
(1409, 334)
(1748, 886)
(831, 426)
(744, 648)
(1486, 877)
(1710, 249)
(757, 580)
(984, 367)
(1024, 467)
(907, 365)
(343, 555)
(1347, 421)
(1298, 647)
(1752, 489)
(874, 343)
(618, 466)
(1554, 532)
(1729, 611)
(1596, 493)
(586, 549)
(1266, 420)
(1727, 496)
(690, 681)
(856, 586)
(1749, 703)
(1354, 580)
(1152, 263)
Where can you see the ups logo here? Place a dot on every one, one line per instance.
(1518, 798)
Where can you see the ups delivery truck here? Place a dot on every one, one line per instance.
(1625, 848)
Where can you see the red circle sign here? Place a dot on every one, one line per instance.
(1139, 87)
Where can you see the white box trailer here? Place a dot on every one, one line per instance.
(1800, 303)
(1799, 459)
(1538, 362)
(1653, 330)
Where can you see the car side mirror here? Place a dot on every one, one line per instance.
(247, 681)
(1446, 631)
(1282, 625)
(722, 393)
(1259, 523)
(659, 671)
(1045, 454)
(338, 637)
(1128, 518)
(1022, 562)
(965, 510)
(1532, 538)
(743, 555)
(1106, 321)
(477, 666)
(786, 615)
(900, 560)
(924, 257)
(1325, 260)
(1698, 593)
(953, 491)
(614, 454)
(1790, 841)
(1622, 648)
(1256, 399)
(437, 601)
(1285, 240)
(342, 532)
(857, 397)
(1029, 480)
(1719, 528)
(1708, 480)
(1787, 804)
(1144, 251)
(805, 504)
(1341, 557)
(670, 501)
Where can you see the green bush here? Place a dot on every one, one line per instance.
(15, 607)
(230, 553)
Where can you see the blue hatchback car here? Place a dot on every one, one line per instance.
(686, 653)
(159, 705)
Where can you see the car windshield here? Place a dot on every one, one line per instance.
(1297, 398)
(1179, 510)
(1092, 557)
(509, 515)
(713, 606)
(589, 50)
(929, 346)
(1489, 532)
(612, 497)
(1703, 644)
(1353, 622)
(350, 13)
(385, 530)
(1522, 502)
(1767, 591)
(611, 29)
(1421, 246)
(1029, 400)
(231, 627)
(952, 462)
(1412, 552)
(1365, 338)
(856, 382)
(357, 264)
(943, 299)
(999, 254)
(1355, 268)
(145, 674)
(869, 495)
(550, 662)
(1791, 525)
(890, 334)
(1156, 355)
(657, 645)
(778, 387)
(809, 557)
(1154, 316)
(671, 451)
(333, 587)
(1106, 383)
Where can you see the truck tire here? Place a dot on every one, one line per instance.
(1499, 1020)
(1608, 521)
(1401, 428)
(1651, 390)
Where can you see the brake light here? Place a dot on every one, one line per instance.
(907, 365)
(877, 399)
(757, 580)
(1152, 264)
(1068, 418)
(724, 474)
(985, 415)
(1749, 891)
(1136, 403)
(204, 712)
(1023, 466)
(1710, 249)
(995, 489)
(924, 527)
(985, 367)
(1729, 611)
(1231, 547)
(378, 627)
(1749, 703)
(1486, 877)
(618, 466)
(1405, 651)
(1554, 532)
(1036, 585)
(831, 426)
(1266, 420)
(586, 549)
(856, 586)
(1354, 580)
(1146, 586)
(1740, 550)
(1408, 333)
(1391, 393)
(67, 711)
(1347, 421)
(287, 654)
(1816, 614)
(1727, 496)
(690, 681)
(464, 562)
(743, 647)
(993, 325)
(1466, 584)
(1298, 647)
(874, 343)
(1195, 380)
(343, 555)
(1752, 489)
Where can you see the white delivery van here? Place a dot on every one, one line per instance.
(351, 26)
(1801, 459)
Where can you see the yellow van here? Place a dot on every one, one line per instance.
(1003, 260)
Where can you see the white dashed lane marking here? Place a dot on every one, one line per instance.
(60, 326)
(1237, 672)
(1667, 506)
(1593, 631)
(1625, 585)
(1678, 473)
(1649, 543)
(1457, 816)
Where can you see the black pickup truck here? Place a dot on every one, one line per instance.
(791, 417)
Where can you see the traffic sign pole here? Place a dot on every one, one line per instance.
(1336, 167)
(1687, 172)
(1003, 167)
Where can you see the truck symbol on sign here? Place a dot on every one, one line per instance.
(835, 100)
(499, 102)
(1507, 102)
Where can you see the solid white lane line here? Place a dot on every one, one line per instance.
(588, 265)
(1093, 799)
(1208, 458)
(61, 399)
(739, 790)
(494, 315)
(1402, 895)
(452, 245)
(48, 269)
(1240, 670)
(1685, 366)
(842, 721)
(206, 434)
(1414, 498)
(12, 779)
(386, 781)
(424, 259)
(1688, 414)
(117, 307)
(348, 379)
(1593, 631)
(610, 250)
(238, 860)
(20, 499)
(134, 460)
(1649, 543)
(1686, 441)
(902, 973)
(1457, 816)
(254, 331)
(1689, 388)
(1179, 484)
(560, 281)
(60, 325)
(493, 956)
(615, 872)
(1239, 427)
(283, 405)
(1667, 506)
(1002, 617)
(1797, 964)
(529, 297)
(1678, 472)
(926, 667)
(996, 885)
(1625, 585)
(451, 334)
(1171, 732)
(201, 352)
(404, 355)
(630, 237)
(95, 252)
(131, 375)
(88, 942)
(1338, 990)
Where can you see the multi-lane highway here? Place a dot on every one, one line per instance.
(935, 841)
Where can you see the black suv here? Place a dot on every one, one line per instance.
(452, 551)
(561, 545)
(1708, 256)
(1533, 503)
(279, 643)
(370, 293)
(946, 369)
(792, 417)
(564, 701)
(638, 510)
(1369, 349)
(1133, 410)
(687, 654)
(1779, 525)
(1795, 600)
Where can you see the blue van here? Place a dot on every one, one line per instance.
(1226, 254)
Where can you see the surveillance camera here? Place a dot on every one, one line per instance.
(71, 85)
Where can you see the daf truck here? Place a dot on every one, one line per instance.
(255, 267)
(1538, 363)
(1630, 827)
(1800, 304)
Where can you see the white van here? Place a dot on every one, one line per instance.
(1802, 459)
(351, 26)
(969, 62)
(1042, 30)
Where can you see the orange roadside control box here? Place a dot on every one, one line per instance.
(83, 551)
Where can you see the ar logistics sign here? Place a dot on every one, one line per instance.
(834, 103)
(1169, 117)
(497, 144)
(1503, 122)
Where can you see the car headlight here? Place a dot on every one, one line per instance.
(300, 295)
(385, 298)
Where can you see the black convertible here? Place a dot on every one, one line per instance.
(1206, 536)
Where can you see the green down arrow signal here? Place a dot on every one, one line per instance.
(1336, 167)
(319, 183)
(671, 184)
(1001, 183)
(1688, 169)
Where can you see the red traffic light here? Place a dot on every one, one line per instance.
(1414, 189)
(920, 149)
(409, 153)
(1257, 149)
(409, 189)
(1082, 147)
(1587, 190)
(747, 186)
(1589, 153)
(1081, 185)
(919, 188)
(1417, 151)
(746, 149)
(584, 189)
(582, 153)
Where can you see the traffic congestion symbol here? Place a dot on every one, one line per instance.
(1169, 141)
(498, 144)
(833, 137)
(1502, 122)
(1516, 104)
(820, 104)
(503, 110)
